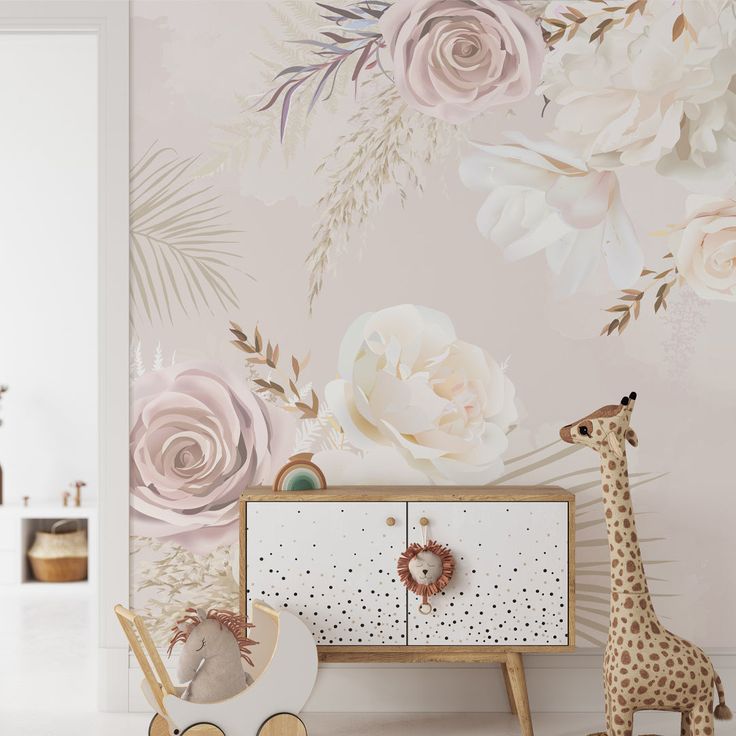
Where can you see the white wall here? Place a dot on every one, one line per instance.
(48, 262)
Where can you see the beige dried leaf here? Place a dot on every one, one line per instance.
(258, 340)
(678, 26)
(556, 36)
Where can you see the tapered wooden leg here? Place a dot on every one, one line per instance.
(509, 690)
(515, 668)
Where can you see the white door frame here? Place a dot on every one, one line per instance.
(109, 20)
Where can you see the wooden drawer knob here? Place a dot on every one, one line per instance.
(390, 521)
(424, 521)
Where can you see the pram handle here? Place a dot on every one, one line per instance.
(137, 633)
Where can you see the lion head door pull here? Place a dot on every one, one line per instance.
(426, 568)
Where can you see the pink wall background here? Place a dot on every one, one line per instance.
(197, 69)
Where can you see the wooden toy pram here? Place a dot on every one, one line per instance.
(284, 672)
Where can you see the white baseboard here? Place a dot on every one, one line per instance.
(113, 678)
(570, 683)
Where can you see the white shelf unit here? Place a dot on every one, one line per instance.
(18, 527)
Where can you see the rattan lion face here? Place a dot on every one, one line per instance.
(426, 567)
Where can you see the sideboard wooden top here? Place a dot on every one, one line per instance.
(414, 493)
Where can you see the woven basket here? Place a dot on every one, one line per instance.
(59, 557)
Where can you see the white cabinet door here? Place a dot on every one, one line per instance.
(333, 564)
(510, 585)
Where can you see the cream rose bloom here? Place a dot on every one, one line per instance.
(407, 382)
(706, 255)
(454, 59)
(638, 97)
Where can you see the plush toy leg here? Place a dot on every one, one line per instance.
(702, 720)
(620, 721)
(686, 724)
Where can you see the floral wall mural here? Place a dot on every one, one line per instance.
(410, 238)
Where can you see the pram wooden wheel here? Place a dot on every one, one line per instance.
(283, 724)
(203, 729)
(159, 727)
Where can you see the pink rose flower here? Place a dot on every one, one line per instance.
(455, 59)
(198, 439)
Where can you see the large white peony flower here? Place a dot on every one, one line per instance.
(706, 254)
(639, 97)
(541, 197)
(407, 382)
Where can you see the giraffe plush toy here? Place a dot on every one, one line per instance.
(645, 666)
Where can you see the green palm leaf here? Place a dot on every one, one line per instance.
(180, 247)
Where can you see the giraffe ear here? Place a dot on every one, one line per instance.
(631, 437)
(615, 445)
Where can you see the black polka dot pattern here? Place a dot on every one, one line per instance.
(332, 564)
(510, 584)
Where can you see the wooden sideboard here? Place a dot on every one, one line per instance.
(331, 557)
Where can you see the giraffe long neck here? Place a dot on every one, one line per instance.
(627, 568)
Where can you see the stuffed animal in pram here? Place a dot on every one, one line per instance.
(214, 641)
(284, 670)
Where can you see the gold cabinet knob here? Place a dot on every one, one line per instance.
(424, 521)
(390, 521)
